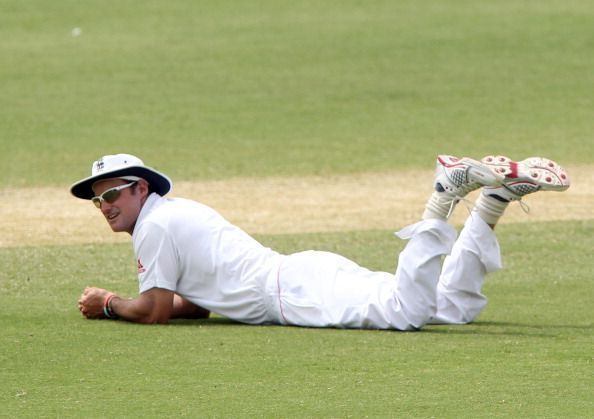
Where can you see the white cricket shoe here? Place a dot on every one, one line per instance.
(525, 177)
(456, 177)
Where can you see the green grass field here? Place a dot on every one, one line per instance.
(529, 355)
(229, 88)
(204, 89)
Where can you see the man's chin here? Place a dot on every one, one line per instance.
(116, 228)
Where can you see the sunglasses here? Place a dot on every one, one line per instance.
(110, 195)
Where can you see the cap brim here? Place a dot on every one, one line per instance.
(160, 183)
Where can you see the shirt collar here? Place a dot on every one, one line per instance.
(147, 208)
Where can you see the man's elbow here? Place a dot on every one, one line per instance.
(202, 314)
(154, 319)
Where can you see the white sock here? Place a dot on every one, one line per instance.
(439, 206)
(489, 209)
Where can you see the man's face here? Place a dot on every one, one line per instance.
(121, 214)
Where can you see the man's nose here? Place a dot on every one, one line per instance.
(105, 207)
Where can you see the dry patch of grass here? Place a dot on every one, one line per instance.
(40, 216)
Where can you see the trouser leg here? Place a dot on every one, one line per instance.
(459, 291)
(321, 289)
(419, 267)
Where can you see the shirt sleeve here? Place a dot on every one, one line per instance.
(158, 258)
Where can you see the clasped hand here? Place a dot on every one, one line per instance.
(91, 302)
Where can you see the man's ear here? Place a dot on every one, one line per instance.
(143, 188)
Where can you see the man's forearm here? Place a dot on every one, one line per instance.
(156, 305)
(135, 310)
(153, 306)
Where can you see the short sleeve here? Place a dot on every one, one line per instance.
(157, 258)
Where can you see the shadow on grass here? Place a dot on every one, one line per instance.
(493, 328)
(214, 321)
(534, 326)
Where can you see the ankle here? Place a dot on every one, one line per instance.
(489, 208)
(439, 206)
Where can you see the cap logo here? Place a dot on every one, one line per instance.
(100, 165)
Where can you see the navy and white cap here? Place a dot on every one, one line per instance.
(121, 166)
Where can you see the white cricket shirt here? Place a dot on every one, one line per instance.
(189, 248)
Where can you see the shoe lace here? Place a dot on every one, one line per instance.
(460, 196)
(525, 207)
(469, 205)
(455, 200)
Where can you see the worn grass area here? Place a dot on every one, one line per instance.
(528, 355)
(278, 205)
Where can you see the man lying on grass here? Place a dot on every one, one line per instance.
(191, 261)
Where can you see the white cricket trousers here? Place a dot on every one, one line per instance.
(322, 289)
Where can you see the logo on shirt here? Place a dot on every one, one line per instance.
(140, 267)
